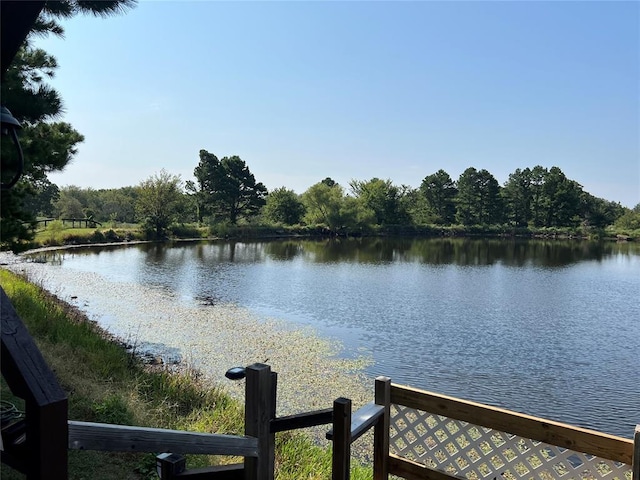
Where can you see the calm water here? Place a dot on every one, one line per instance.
(549, 328)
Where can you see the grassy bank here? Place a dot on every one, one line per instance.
(57, 234)
(106, 384)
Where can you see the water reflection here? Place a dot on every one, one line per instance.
(532, 325)
(432, 251)
(447, 251)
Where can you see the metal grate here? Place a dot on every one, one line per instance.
(472, 452)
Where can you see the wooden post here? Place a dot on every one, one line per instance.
(381, 430)
(260, 406)
(29, 377)
(341, 439)
(635, 460)
(46, 440)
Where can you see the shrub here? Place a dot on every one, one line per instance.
(96, 237)
(111, 236)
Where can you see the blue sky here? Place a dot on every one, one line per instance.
(355, 90)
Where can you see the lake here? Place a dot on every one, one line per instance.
(549, 328)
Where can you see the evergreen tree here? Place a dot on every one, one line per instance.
(440, 191)
(47, 145)
(228, 189)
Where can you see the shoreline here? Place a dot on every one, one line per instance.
(210, 338)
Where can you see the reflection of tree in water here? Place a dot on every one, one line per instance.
(284, 250)
(355, 250)
(434, 251)
(446, 251)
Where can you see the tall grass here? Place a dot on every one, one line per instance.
(106, 384)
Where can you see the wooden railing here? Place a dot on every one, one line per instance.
(425, 435)
(439, 437)
(88, 222)
(37, 444)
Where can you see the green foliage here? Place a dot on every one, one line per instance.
(158, 202)
(44, 195)
(113, 409)
(111, 236)
(629, 221)
(561, 199)
(383, 199)
(15, 222)
(518, 194)
(226, 189)
(598, 213)
(54, 230)
(283, 206)
(323, 204)
(183, 230)
(97, 237)
(439, 192)
(478, 199)
(47, 145)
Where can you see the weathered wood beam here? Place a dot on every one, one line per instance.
(414, 471)
(362, 420)
(302, 420)
(124, 438)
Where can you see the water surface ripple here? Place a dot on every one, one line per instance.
(548, 328)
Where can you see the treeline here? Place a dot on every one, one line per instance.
(225, 192)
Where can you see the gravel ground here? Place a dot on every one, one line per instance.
(211, 338)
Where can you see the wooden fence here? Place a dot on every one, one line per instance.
(417, 434)
(87, 222)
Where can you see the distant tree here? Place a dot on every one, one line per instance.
(41, 203)
(538, 199)
(68, 206)
(415, 204)
(517, 193)
(329, 182)
(440, 191)
(74, 201)
(283, 206)
(323, 204)
(195, 199)
(382, 198)
(228, 189)
(466, 198)
(478, 200)
(354, 214)
(630, 219)
(118, 205)
(597, 212)
(561, 199)
(159, 201)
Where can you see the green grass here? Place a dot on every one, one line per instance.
(106, 384)
(56, 234)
